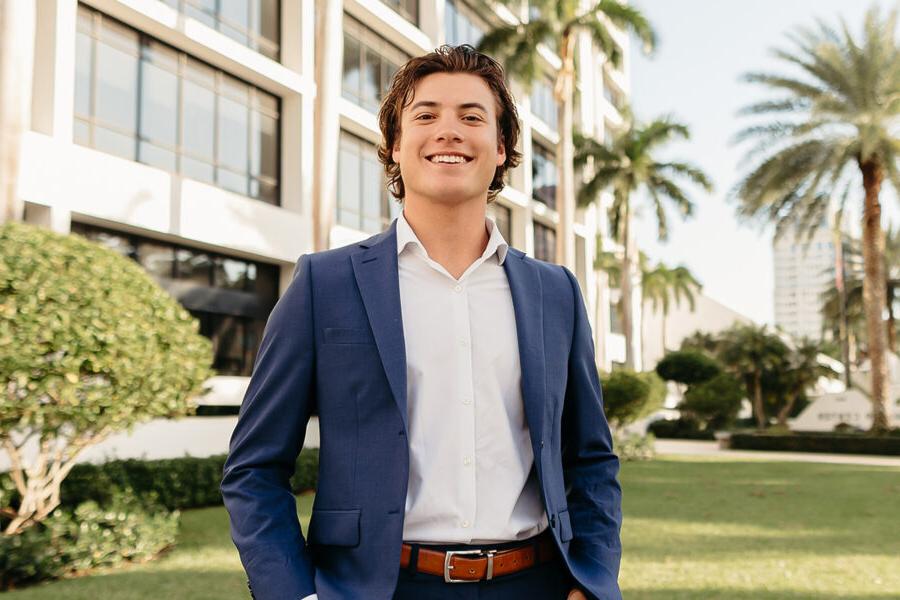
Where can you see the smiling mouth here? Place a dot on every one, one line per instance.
(455, 161)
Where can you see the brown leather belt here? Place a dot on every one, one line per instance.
(459, 566)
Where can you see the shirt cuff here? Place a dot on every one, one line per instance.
(312, 597)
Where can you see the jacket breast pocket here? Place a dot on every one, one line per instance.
(334, 527)
(348, 335)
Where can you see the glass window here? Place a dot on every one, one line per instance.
(117, 75)
(408, 9)
(158, 259)
(543, 176)
(543, 104)
(460, 24)
(369, 65)
(502, 216)
(253, 23)
(148, 102)
(544, 242)
(349, 195)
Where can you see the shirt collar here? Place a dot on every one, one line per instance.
(496, 243)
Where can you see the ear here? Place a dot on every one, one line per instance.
(501, 153)
(395, 152)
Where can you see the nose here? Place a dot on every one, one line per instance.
(448, 129)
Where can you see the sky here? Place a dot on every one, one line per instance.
(694, 75)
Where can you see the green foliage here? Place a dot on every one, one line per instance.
(714, 403)
(634, 446)
(177, 483)
(89, 343)
(680, 429)
(688, 367)
(832, 443)
(625, 396)
(90, 536)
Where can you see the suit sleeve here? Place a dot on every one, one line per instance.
(264, 446)
(590, 467)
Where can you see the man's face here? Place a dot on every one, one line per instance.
(450, 114)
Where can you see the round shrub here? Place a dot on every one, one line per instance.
(688, 367)
(90, 344)
(625, 396)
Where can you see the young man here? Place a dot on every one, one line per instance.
(464, 451)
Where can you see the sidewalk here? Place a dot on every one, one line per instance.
(704, 448)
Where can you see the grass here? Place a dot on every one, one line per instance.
(695, 527)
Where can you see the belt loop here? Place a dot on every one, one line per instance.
(413, 559)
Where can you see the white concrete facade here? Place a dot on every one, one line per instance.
(62, 182)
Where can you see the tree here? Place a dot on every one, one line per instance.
(89, 345)
(661, 284)
(829, 126)
(625, 396)
(687, 367)
(558, 24)
(853, 290)
(802, 371)
(749, 352)
(627, 166)
(713, 404)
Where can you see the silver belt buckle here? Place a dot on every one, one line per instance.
(448, 567)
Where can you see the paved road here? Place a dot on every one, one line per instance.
(703, 448)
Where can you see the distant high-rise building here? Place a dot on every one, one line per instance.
(803, 271)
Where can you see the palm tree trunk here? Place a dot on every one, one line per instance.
(891, 331)
(785, 411)
(329, 51)
(874, 291)
(565, 154)
(663, 331)
(758, 408)
(626, 290)
(16, 62)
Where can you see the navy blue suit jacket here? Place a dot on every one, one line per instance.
(333, 346)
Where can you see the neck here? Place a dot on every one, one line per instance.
(453, 235)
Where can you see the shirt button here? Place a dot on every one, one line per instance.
(457, 288)
(463, 343)
(467, 461)
(467, 401)
(465, 523)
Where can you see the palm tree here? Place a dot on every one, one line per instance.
(750, 352)
(853, 290)
(802, 371)
(661, 284)
(558, 24)
(846, 105)
(629, 165)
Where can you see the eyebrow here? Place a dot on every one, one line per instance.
(464, 105)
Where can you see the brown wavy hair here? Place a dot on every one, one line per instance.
(447, 59)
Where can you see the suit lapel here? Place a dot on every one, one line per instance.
(377, 277)
(379, 284)
(527, 297)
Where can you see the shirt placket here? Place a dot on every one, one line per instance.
(466, 403)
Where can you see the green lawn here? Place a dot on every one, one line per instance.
(694, 528)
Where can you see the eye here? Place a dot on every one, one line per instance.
(422, 115)
(472, 117)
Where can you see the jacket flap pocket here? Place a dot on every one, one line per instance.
(565, 526)
(334, 527)
(348, 335)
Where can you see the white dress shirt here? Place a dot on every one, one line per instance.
(471, 474)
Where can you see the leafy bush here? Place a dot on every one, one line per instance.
(688, 367)
(90, 536)
(90, 344)
(848, 443)
(634, 446)
(625, 396)
(714, 403)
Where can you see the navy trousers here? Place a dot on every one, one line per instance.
(548, 581)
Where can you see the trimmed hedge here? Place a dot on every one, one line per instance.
(834, 443)
(679, 429)
(178, 483)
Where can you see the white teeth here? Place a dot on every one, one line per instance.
(447, 158)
